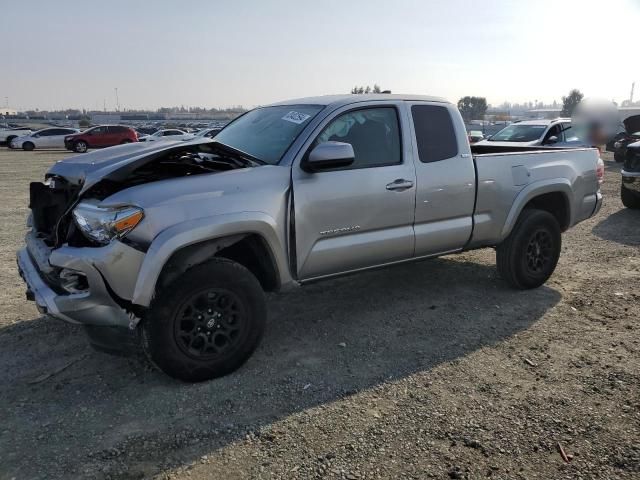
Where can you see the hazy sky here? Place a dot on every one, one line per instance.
(222, 53)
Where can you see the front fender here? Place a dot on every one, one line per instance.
(202, 229)
(533, 190)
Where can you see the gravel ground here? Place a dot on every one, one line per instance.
(431, 370)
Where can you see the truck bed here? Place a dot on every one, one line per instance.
(509, 177)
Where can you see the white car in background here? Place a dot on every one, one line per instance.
(46, 138)
(9, 133)
(205, 133)
(532, 133)
(166, 134)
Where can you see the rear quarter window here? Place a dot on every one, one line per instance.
(435, 134)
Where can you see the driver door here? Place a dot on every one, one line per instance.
(362, 215)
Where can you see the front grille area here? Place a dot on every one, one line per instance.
(48, 204)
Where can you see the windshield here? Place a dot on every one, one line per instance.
(266, 133)
(519, 133)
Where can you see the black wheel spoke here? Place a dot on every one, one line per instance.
(209, 323)
(539, 251)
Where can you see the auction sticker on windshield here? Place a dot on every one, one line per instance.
(296, 117)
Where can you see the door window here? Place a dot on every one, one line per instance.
(59, 131)
(373, 133)
(435, 134)
(555, 131)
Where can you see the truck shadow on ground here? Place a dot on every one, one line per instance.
(104, 416)
(621, 227)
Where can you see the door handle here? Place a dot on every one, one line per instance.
(400, 185)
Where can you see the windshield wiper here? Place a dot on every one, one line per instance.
(245, 158)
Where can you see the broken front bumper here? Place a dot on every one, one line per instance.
(99, 304)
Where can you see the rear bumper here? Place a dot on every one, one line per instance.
(598, 203)
(631, 181)
(96, 305)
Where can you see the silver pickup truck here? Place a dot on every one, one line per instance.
(174, 243)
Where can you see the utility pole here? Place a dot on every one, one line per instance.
(633, 86)
(6, 102)
(117, 101)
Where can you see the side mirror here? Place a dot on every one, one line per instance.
(328, 155)
(551, 140)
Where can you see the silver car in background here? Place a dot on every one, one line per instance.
(45, 138)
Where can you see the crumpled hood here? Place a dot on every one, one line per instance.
(87, 169)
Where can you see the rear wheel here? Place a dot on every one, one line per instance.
(529, 255)
(618, 157)
(28, 146)
(80, 146)
(206, 323)
(630, 199)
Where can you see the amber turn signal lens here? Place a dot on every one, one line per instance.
(124, 224)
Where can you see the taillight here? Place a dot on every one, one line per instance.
(600, 171)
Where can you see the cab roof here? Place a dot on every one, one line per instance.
(347, 99)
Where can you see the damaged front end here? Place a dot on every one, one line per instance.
(78, 264)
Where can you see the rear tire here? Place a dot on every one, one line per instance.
(618, 157)
(80, 146)
(206, 323)
(629, 198)
(28, 146)
(529, 255)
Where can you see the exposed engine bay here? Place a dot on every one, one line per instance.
(52, 201)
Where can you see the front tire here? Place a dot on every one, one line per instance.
(529, 255)
(28, 146)
(629, 198)
(206, 323)
(80, 146)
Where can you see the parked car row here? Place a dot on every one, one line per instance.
(95, 137)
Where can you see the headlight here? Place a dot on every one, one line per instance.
(104, 224)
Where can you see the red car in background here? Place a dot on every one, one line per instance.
(100, 137)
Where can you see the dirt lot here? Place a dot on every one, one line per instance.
(432, 370)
